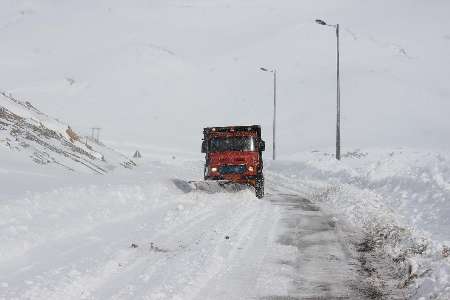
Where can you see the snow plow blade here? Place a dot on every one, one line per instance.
(217, 186)
(210, 186)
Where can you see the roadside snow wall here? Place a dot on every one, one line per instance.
(400, 198)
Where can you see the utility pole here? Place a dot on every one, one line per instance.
(338, 89)
(338, 98)
(274, 72)
(95, 134)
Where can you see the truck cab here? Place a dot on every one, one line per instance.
(234, 154)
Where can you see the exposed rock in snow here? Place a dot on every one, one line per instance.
(45, 140)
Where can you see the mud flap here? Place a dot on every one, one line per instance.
(210, 186)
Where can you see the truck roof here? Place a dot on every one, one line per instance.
(250, 130)
(232, 128)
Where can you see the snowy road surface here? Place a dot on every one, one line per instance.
(322, 232)
(186, 246)
(324, 266)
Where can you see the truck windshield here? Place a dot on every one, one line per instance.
(235, 143)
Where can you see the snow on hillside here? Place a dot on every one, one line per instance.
(164, 67)
(399, 197)
(45, 140)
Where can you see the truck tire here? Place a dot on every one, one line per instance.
(259, 187)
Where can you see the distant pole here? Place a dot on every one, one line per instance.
(338, 99)
(338, 90)
(274, 111)
(95, 135)
(98, 135)
(274, 72)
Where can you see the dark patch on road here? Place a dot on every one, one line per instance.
(334, 261)
(304, 298)
(323, 268)
(294, 202)
(280, 298)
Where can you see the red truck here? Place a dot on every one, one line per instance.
(234, 154)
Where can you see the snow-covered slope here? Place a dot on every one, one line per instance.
(45, 140)
(164, 67)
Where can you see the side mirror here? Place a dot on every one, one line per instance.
(204, 147)
(262, 146)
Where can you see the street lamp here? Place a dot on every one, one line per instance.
(338, 91)
(274, 72)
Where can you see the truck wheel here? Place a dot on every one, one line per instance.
(259, 187)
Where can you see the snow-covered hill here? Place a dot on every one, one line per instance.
(165, 67)
(46, 140)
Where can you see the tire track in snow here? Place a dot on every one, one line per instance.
(72, 274)
(184, 238)
(189, 271)
(120, 268)
(238, 278)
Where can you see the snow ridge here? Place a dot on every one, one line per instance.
(46, 140)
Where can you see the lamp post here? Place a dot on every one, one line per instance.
(274, 72)
(338, 90)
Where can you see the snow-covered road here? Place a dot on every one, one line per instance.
(180, 249)
(187, 246)
(138, 235)
(323, 252)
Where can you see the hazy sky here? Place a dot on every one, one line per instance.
(157, 72)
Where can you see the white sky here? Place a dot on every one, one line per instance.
(157, 72)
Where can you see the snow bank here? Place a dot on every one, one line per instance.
(400, 198)
(42, 217)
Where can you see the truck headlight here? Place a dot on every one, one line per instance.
(213, 169)
(250, 169)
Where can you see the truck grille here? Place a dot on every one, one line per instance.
(239, 169)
